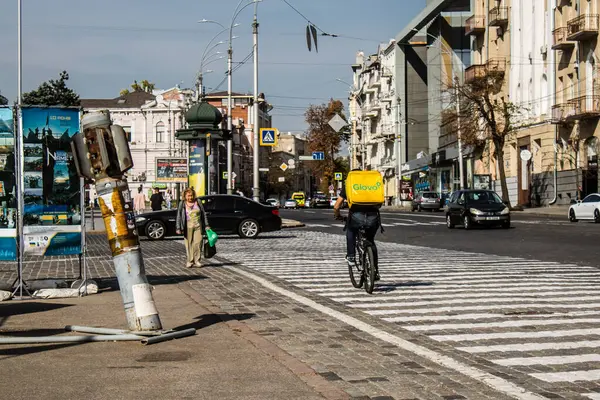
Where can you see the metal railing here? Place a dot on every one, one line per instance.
(584, 25)
(475, 23)
(498, 16)
(560, 38)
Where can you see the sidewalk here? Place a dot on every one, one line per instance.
(551, 211)
(224, 360)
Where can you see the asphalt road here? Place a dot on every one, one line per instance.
(535, 237)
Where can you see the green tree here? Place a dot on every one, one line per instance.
(145, 86)
(52, 93)
(322, 137)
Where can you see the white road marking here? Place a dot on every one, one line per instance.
(593, 396)
(531, 346)
(497, 383)
(573, 376)
(515, 335)
(548, 360)
(501, 324)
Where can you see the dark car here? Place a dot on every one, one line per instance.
(477, 207)
(319, 200)
(427, 201)
(227, 214)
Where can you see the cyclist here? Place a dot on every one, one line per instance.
(358, 216)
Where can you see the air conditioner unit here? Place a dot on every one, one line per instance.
(544, 49)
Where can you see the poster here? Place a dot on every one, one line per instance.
(171, 170)
(52, 210)
(8, 200)
(197, 176)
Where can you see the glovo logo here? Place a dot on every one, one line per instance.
(358, 186)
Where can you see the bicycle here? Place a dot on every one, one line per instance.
(366, 264)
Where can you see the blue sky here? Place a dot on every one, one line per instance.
(106, 45)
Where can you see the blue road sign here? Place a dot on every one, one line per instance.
(268, 136)
(318, 155)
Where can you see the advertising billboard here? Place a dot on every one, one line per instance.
(8, 200)
(197, 176)
(52, 210)
(171, 170)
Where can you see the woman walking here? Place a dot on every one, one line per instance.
(191, 222)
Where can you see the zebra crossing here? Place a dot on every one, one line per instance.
(539, 318)
(389, 223)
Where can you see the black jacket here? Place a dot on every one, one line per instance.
(181, 221)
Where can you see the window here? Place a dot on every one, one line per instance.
(430, 195)
(592, 198)
(160, 132)
(127, 130)
(218, 203)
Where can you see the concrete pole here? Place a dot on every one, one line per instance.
(398, 146)
(116, 206)
(229, 120)
(255, 150)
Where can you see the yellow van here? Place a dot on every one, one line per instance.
(300, 198)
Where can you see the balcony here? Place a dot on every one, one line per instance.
(562, 112)
(560, 39)
(478, 71)
(583, 27)
(498, 16)
(583, 107)
(475, 25)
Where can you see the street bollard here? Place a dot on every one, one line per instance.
(101, 153)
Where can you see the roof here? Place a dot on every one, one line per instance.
(131, 100)
(431, 11)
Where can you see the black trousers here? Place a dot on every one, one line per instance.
(356, 220)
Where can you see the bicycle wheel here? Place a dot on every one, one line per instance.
(356, 270)
(369, 269)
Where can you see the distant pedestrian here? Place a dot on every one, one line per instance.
(156, 200)
(139, 201)
(191, 222)
(168, 199)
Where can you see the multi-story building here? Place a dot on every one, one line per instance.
(287, 173)
(576, 105)
(150, 121)
(242, 113)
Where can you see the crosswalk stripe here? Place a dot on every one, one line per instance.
(515, 335)
(572, 376)
(473, 302)
(593, 396)
(531, 346)
(548, 360)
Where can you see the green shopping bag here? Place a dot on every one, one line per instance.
(212, 237)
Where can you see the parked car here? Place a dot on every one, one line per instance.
(227, 214)
(290, 203)
(477, 207)
(588, 208)
(273, 202)
(427, 201)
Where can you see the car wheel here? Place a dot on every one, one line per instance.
(467, 222)
(449, 223)
(596, 216)
(248, 229)
(156, 230)
(572, 216)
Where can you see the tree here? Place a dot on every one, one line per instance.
(145, 86)
(487, 117)
(52, 93)
(322, 137)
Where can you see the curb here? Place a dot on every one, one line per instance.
(290, 223)
(306, 374)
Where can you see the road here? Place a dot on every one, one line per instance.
(515, 311)
(541, 238)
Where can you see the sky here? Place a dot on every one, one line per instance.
(105, 46)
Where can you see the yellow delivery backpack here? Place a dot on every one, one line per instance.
(364, 188)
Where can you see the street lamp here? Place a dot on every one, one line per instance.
(455, 81)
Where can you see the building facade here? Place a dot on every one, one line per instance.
(150, 121)
(287, 173)
(242, 113)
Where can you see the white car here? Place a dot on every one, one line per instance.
(290, 203)
(588, 208)
(273, 202)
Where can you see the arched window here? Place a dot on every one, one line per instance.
(160, 132)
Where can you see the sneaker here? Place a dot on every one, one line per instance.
(351, 260)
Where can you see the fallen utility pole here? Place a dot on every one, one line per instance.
(101, 153)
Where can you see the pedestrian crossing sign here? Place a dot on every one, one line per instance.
(268, 136)
(338, 176)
